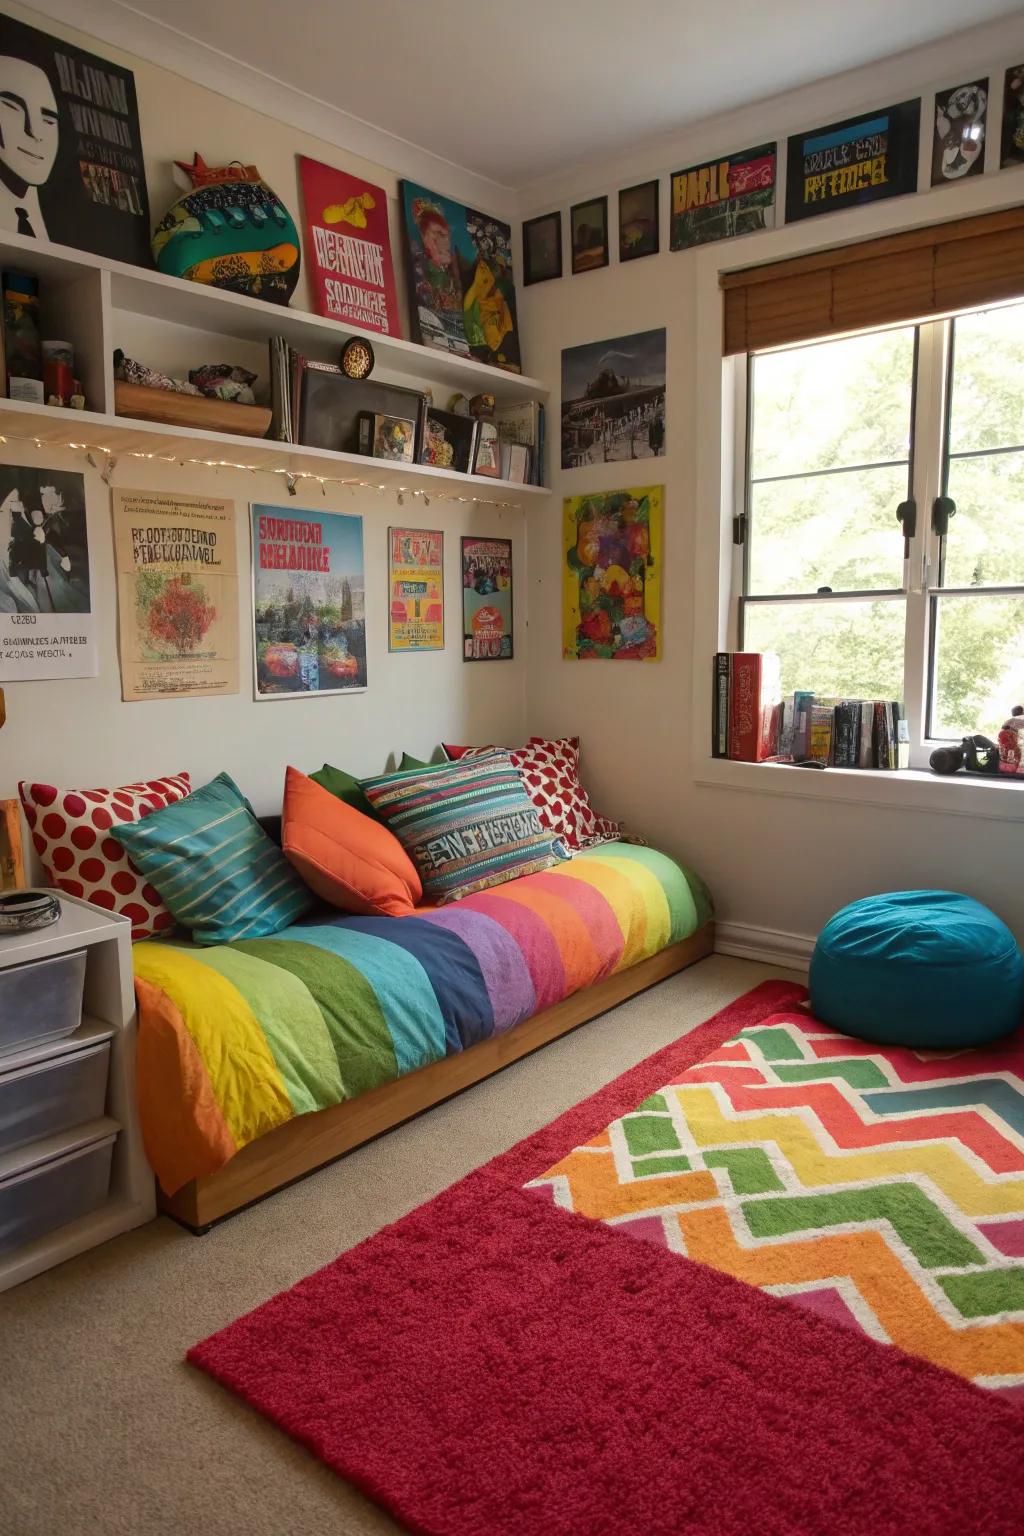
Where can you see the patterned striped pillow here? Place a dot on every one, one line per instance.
(466, 826)
(215, 867)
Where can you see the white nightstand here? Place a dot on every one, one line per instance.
(109, 1011)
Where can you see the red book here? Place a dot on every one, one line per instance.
(348, 248)
(755, 699)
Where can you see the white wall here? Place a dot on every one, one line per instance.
(776, 863)
(79, 732)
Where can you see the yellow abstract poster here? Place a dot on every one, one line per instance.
(416, 589)
(611, 605)
(177, 595)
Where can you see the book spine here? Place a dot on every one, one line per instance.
(541, 428)
(802, 704)
(902, 737)
(720, 732)
(847, 744)
(745, 707)
(865, 734)
(881, 734)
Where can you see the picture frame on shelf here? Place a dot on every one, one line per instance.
(348, 248)
(639, 223)
(487, 457)
(391, 438)
(449, 440)
(588, 228)
(12, 852)
(542, 248)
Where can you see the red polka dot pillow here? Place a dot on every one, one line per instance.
(550, 771)
(70, 831)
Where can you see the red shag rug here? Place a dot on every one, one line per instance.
(493, 1365)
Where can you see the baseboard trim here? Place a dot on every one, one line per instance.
(748, 942)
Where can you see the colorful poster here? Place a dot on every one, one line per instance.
(611, 606)
(486, 599)
(613, 400)
(47, 625)
(177, 595)
(722, 198)
(462, 294)
(71, 167)
(1011, 144)
(415, 589)
(348, 248)
(309, 617)
(859, 160)
(958, 147)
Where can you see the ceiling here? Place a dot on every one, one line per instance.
(515, 90)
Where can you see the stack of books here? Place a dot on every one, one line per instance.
(752, 722)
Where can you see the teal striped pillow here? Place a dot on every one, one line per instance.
(215, 867)
(465, 825)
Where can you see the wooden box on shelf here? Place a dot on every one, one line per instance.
(177, 410)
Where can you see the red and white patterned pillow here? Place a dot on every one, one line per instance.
(550, 771)
(69, 832)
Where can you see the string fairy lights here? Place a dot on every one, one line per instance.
(92, 452)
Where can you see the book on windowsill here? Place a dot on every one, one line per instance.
(746, 705)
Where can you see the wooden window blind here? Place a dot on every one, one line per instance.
(964, 264)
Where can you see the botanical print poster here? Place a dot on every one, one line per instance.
(721, 198)
(859, 160)
(348, 248)
(47, 627)
(462, 291)
(415, 589)
(71, 167)
(177, 595)
(309, 616)
(612, 575)
(486, 599)
(613, 400)
(958, 146)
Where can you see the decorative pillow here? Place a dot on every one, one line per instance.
(215, 867)
(343, 786)
(71, 834)
(551, 777)
(347, 859)
(466, 826)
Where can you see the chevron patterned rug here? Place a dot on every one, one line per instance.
(882, 1187)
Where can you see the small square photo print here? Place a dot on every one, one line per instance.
(542, 248)
(638, 221)
(589, 226)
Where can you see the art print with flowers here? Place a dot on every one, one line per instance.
(47, 625)
(611, 608)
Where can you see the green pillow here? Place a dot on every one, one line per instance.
(411, 764)
(344, 787)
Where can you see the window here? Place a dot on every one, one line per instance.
(880, 540)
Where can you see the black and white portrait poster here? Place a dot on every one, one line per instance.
(958, 147)
(47, 626)
(71, 167)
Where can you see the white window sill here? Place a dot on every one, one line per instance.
(958, 794)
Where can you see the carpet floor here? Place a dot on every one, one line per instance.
(106, 1430)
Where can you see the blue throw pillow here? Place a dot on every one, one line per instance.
(214, 866)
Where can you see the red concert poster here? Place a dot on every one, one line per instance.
(348, 248)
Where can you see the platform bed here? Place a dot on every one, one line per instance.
(310, 1141)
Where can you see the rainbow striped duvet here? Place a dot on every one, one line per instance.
(236, 1039)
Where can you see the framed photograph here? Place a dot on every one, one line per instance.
(613, 400)
(387, 437)
(12, 856)
(1011, 143)
(47, 622)
(611, 575)
(448, 440)
(542, 248)
(588, 223)
(462, 295)
(348, 248)
(486, 599)
(415, 589)
(859, 160)
(718, 199)
(958, 144)
(309, 616)
(639, 229)
(487, 460)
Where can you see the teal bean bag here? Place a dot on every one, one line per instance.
(927, 969)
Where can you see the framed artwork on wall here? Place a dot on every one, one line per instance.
(613, 399)
(47, 621)
(639, 229)
(415, 589)
(348, 248)
(611, 609)
(958, 143)
(462, 295)
(542, 248)
(859, 160)
(588, 225)
(309, 615)
(1011, 144)
(718, 199)
(486, 599)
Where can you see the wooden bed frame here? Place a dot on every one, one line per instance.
(309, 1141)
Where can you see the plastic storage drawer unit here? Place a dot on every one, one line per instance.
(39, 1199)
(40, 1001)
(52, 1096)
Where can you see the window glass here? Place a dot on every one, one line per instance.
(986, 397)
(985, 546)
(837, 531)
(979, 664)
(843, 649)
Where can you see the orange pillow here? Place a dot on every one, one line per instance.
(344, 857)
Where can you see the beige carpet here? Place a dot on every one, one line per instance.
(104, 1431)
